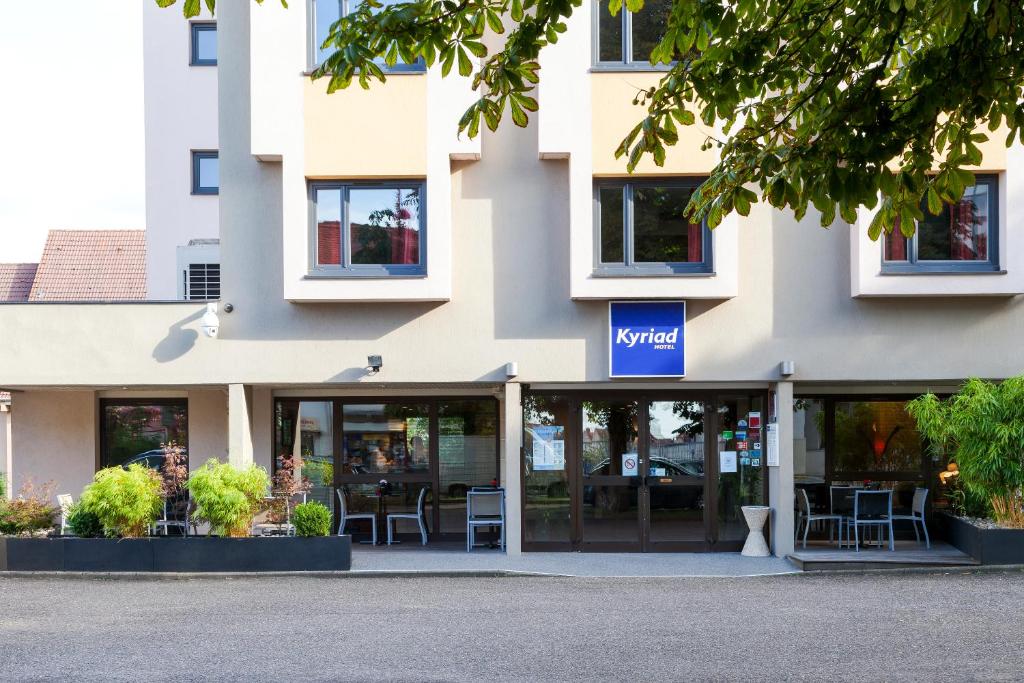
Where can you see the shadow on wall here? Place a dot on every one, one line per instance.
(179, 339)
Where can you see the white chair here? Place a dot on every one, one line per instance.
(484, 508)
(917, 515)
(344, 517)
(807, 517)
(165, 523)
(65, 501)
(418, 516)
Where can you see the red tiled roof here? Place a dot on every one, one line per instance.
(90, 265)
(16, 280)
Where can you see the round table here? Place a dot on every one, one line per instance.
(756, 516)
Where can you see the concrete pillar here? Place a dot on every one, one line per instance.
(263, 427)
(780, 479)
(240, 450)
(6, 460)
(511, 466)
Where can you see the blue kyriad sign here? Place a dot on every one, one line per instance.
(646, 338)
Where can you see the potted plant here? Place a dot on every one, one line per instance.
(311, 519)
(126, 500)
(980, 431)
(228, 497)
(30, 513)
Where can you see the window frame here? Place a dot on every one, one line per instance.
(991, 265)
(628, 267)
(104, 403)
(195, 28)
(197, 156)
(346, 269)
(625, 64)
(313, 45)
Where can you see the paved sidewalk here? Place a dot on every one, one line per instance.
(415, 560)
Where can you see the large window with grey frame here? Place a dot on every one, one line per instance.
(963, 237)
(642, 229)
(205, 172)
(372, 229)
(325, 13)
(137, 430)
(626, 39)
(349, 446)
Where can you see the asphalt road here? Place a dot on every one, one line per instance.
(942, 626)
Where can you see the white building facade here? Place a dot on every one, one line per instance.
(500, 281)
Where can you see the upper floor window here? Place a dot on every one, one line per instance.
(325, 13)
(369, 229)
(205, 172)
(642, 229)
(963, 237)
(627, 38)
(203, 44)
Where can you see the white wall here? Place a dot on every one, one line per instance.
(181, 115)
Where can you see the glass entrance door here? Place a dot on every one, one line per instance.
(611, 475)
(674, 481)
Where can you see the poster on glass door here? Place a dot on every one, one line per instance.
(548, 448)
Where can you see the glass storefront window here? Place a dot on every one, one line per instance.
(385, 438)
(676, 470)
(610, 455)
(546, 514)
(875, 436)
(467, 445)
(305, 429)
(135, 431)
(741, 423)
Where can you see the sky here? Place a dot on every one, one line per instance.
(71, 120)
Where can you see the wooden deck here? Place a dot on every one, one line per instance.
(820, 556)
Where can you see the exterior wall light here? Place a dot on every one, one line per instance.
(210, 322)
(374, 364)
(787, 368)
(511, 369)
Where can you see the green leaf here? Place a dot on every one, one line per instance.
(465, 65)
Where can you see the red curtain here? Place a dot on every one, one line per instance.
(895, 244)
(328, 243)
(694, 237)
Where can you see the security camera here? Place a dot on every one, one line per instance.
(374, 364)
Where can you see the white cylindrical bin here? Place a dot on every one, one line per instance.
(756, 516)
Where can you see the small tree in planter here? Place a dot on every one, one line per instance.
(125, 500)
(286, 484)
(31, 511)
(228, 497)
(981, 427)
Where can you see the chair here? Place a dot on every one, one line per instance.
(344, 517)
(484, 507)
(65, 501)
(807, 517)
(165, 523)
(418, 516)
(871, 509)
(917, 515)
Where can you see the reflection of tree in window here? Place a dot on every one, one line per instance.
(610, 432)
(391, 233)
(875, 437)
(661, 233)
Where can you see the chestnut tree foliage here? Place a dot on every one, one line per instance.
(823, 103)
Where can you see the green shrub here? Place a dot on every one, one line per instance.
(227, 497)
(84, 522)
(125, 501)
(311, 519)
(981, 428)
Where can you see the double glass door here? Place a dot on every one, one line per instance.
(646, 473)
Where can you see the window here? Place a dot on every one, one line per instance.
(963, 237)
(205, 173)
(383, 232)
(203, 50)
(136, 431)
(325, 13)
(641, 229)
(628, 37)
(202, 282)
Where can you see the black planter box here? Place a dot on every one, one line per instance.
(988, 546)
(193, 554)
